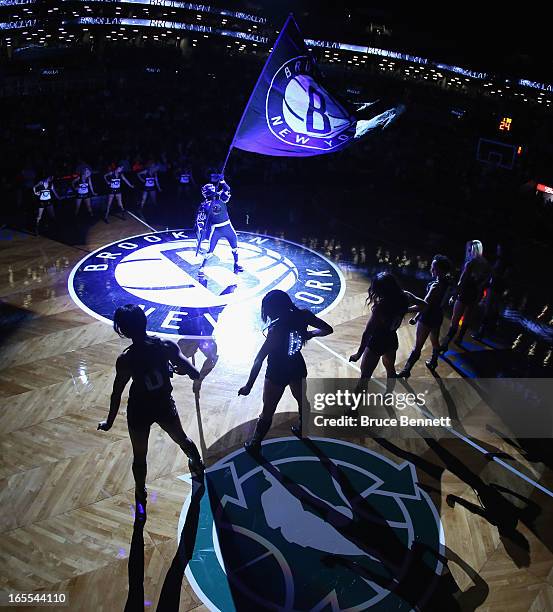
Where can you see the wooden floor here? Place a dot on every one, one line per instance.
(66, 493)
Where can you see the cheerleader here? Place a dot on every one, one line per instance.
(430, 317)
(470, 288)
(499, 282)
(389, 304)
(44, 190)
(82, 186)
(113, 181)
(150, 180)
(150, 362)
(185, 180)
(287, 333)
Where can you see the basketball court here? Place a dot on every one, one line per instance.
(479, 510)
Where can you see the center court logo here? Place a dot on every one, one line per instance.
(158, 272)
(302, 113)
(316, 525)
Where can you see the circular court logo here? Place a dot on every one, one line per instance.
(159, 272)
(317, 524)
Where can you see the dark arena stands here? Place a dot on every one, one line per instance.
(117, 118)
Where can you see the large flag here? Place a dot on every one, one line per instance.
(290, 112)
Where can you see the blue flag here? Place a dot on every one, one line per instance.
(290, 113)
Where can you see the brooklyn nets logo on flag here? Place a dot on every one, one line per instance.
(290, 113)
(301, 113)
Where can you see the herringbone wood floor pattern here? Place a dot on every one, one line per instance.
(66, 495)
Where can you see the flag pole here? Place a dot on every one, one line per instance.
(290, 17)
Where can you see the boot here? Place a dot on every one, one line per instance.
(391, 382)
(237, 267)
(444, 344)
(451, 333)
(196, 467)
(297, 430)
(432, 363)
(253, 445)
(411, 361)
(195, 463)
(405, 372)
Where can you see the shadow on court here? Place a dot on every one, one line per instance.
(503, 507)
(170, 592)
(417, 575)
